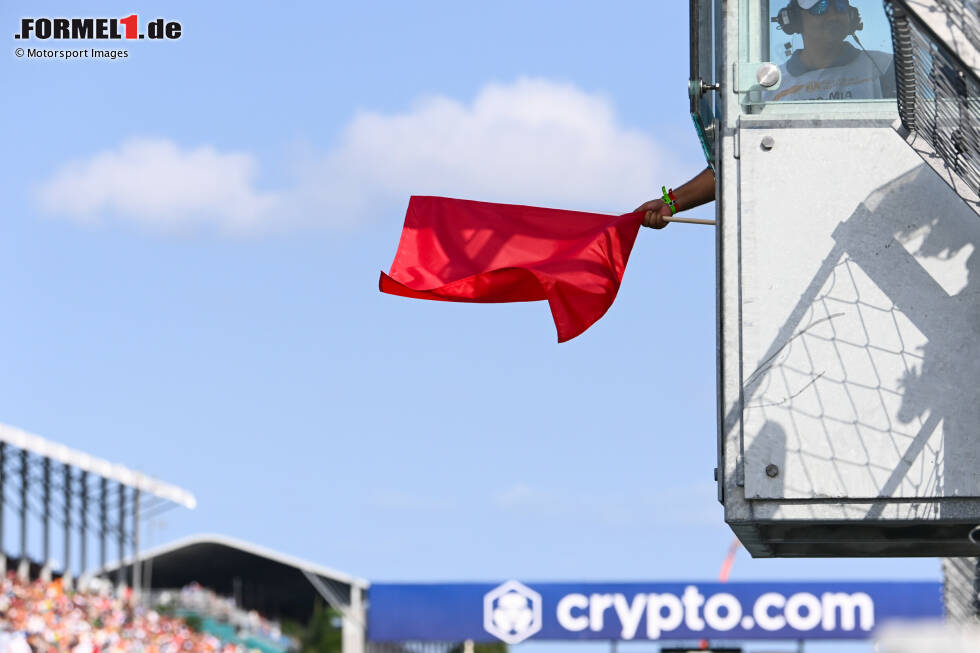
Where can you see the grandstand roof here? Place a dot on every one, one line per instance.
(275, 584)
(67, 456)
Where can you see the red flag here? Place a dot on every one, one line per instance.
(465, 251)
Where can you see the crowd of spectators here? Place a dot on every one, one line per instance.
(43, 617)
(205, 602)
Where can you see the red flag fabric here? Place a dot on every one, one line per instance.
(466, 251)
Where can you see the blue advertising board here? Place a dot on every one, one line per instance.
(513, 611)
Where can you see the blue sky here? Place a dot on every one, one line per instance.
(189, 258)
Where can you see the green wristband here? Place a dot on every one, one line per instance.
(669, 202)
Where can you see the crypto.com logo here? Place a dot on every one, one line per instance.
(512, 612)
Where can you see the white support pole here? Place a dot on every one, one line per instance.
(353, 618)
(354, 624)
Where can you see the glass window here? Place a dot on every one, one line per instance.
(825, 50)
(705, 18)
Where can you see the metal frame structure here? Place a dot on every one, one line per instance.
(47, 477)
(847, 376)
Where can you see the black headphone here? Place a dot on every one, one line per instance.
(790, 22)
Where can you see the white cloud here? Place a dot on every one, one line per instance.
(155, 182)
(532, 141)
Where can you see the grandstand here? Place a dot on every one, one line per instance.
(254, 579)
(95, 501)
(99, 506)
(231, 592)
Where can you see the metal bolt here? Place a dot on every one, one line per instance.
(768, 142)
(767, 75)
(772, 471)
(698, 87)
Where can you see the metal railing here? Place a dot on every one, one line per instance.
(939, 94)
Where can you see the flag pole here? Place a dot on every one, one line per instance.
(676, 219)
(690, 220)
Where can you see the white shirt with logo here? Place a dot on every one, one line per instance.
(855, 75)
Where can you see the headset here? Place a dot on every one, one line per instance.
(790, 22)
